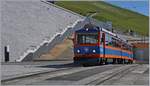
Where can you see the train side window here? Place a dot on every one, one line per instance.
(126, 47)
(108, 39)
(131, 49)
(113, 42)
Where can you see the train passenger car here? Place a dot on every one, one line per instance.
(94, 45)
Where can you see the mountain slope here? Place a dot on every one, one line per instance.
(121, 18)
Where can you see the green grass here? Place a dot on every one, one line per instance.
(121, 18)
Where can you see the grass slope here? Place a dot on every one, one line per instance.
(121, 18)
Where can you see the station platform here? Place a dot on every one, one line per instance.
(13, 70)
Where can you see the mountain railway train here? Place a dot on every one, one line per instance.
(94, 45)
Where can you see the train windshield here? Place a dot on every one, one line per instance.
(87, 38)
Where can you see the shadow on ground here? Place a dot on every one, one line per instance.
(68, 65)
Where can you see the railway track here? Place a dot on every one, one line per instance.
(115, 75)
(101, 75)
(44, 75)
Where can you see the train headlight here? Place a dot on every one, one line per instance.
(78, 51)
(87, 29)
(94, 51)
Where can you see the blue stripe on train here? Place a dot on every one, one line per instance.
(117, 52)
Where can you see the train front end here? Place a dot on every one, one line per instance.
(86, 46)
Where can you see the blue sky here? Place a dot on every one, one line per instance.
(140, 6)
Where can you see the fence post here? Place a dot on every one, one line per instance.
(6, 53)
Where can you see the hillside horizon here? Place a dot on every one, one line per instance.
(122, 19)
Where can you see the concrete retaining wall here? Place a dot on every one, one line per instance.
(27, 24)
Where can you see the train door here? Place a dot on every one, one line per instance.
(103, 44)
(103, 60)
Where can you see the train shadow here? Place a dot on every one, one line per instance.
(68, 65)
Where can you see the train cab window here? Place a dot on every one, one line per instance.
(91, 38)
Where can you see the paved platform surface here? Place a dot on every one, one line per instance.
(66, 73)
(12, 69)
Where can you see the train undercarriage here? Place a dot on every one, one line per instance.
(101, 61)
